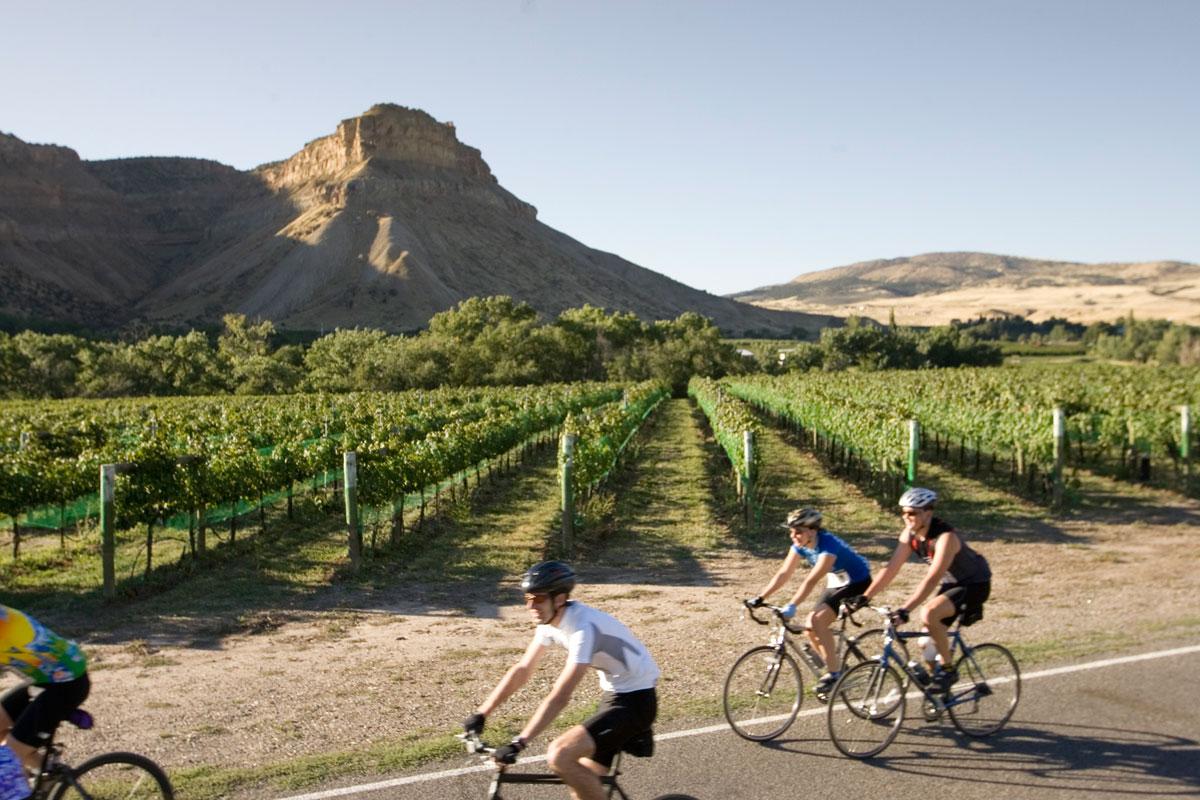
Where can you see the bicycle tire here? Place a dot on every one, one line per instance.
(866, 708)
(987, 692)
(676, 797)
(115, 775)
(870, 645)
(763, 687)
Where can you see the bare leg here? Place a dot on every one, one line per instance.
(820, 620)
(937, 609)
(570, 757)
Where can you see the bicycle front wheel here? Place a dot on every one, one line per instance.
(869, 645)
(115, 776)
(763, 693)
(865, 709)
(987, 691)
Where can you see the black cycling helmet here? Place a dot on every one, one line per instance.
(803, 518)
(548, 577)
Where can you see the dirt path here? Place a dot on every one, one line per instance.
(350, 677)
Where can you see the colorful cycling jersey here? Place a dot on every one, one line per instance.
(35, 651)
(600, 640)
(847, 563)
(968, 566)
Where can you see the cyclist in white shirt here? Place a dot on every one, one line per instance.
(593, 640)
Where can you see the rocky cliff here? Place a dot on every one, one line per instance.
(382, 223)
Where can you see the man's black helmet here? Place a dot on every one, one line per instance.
(549, 577)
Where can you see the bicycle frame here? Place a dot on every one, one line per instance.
(504, 773)
(957, 645)
(52, 769)
(804, 652)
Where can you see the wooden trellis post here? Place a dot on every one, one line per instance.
(350, 484)
(568, 495)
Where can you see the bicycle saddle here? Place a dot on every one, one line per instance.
(640, 746)
(81, 719)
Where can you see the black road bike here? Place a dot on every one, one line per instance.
(867, 704)
(642, 747)
(111, 776)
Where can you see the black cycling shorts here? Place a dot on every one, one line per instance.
(619, 718)
(35, 718)
(968, 600)
(834, 597)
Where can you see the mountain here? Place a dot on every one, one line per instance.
(934, 288)
(383, 223)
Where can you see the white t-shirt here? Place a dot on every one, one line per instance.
(599, 640)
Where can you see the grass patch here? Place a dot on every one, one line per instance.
(414, 750)
(212, 782)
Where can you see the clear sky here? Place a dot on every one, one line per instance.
(726, 144)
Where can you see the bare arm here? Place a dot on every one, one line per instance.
(824, 563)
(899, 556)
(786, 570)
(516, 677)
(944, 550)
(556, 701)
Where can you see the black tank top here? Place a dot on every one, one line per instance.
(967, 567)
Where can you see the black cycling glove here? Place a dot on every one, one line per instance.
(755, 602)
(508, 753)
(855, 603)
(474, 723)
(900, 616)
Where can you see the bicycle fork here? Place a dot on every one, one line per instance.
(773, 669)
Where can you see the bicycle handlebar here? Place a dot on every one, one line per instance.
(843, 613)
(475, 745)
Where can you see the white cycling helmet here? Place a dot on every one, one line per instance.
(803, 518)
(917, 497)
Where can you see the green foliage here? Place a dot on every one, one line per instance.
(730, 418)
(602, 433)
(1005, 411)
(490, 341)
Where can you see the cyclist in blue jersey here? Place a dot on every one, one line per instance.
(846, 573)
(958, 580)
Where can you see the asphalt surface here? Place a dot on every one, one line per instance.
(1121, 730)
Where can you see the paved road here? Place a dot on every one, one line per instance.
(1122, 730)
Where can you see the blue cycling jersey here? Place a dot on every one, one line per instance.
(846, 562)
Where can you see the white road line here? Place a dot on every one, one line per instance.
(662, 737)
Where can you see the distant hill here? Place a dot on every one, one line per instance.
(383, 223)
(935, 288)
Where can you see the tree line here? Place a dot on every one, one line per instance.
(1156, 341)
(487, 341)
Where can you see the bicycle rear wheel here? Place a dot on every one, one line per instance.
(987, 691)
(763, 693)
(865, 709)
(115, 776)
(675, 797)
